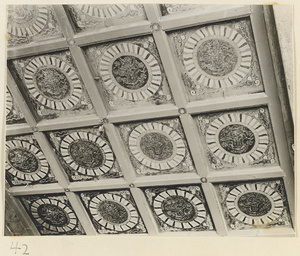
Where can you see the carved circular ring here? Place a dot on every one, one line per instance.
(25, 161)
(9, 103)
(53, 82)
(24, 20)
(157, 146)
(87, 153)
(113, 212)
(53, 215)
(217, 57)
(102, 11)
(254, 204)
(237, 138)
(130, 72)
(180, 209)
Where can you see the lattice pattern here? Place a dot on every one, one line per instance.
(145, 119)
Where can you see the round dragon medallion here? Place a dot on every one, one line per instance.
(237, 138)
(53, 215)
(217, 57)
(87, 153)
(113, 212)
(157, 146)
(180, 209)
(254, 204)
(25, 161)
(103, 11)
(26, 20)
(130, 72)
(53, 83)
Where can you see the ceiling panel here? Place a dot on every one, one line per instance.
(31, 23)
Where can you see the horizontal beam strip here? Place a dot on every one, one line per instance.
(113, 33)
(256, 173)
(17, 129)
(167, 179)
(37, 48)
(36, 189)
(127, 115)
(196, 17)
(104, 184)
(272, 232)
(68, 123)
(234, 102)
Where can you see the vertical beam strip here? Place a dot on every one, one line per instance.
(215, 209)
(265, 59)
(145, 211)
(81, 213)
(19, 210)
(78, 55)
(194, 142)
(120, 152)
(89, 81)
(17, 96)
(153, 12)
(171, 70)
(51, 157)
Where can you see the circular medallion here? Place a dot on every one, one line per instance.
(9, 102)
(254, 204)
(157, 146)
(102, 11)
(53, 83)
(237, 138)
(26, 20)
(53, 215)
(130, 72)
(180, 209)
(87, 153)
(25, 161)
(217, 57)
(113, 212)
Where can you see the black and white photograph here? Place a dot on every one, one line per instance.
(148, 120)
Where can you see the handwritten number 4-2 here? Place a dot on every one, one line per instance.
(16, 248)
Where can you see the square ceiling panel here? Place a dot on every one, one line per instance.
(31, 23)
(26, 163)
(13, 112)
(89, 17)
(238, 139)
(179, 208)
(85, 154)
(52, 214)
(217, 60)
(113, 212)
(130, 72)
(157, 147)
(54, 85)
(254, 205)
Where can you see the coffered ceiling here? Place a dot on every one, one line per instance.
(145, 119)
